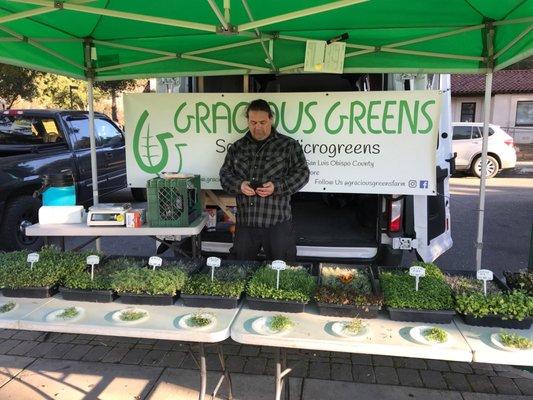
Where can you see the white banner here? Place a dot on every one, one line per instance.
(357, 142)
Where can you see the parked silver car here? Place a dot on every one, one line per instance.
(467, 140)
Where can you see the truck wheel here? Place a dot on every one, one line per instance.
(492, 167)
(19, 213)
(139, 194)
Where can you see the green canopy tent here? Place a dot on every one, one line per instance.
(113, 39)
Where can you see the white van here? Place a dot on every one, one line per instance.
(358, 228)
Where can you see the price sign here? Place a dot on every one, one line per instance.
(278, 266)
(32, 259)
(213, 262)
(418, 272)
(92, 261)
(155, 261)
(485, 275)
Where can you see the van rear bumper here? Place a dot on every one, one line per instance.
(306, 251)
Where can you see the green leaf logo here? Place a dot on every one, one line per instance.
(151, 151)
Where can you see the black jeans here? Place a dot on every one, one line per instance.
(278, 242)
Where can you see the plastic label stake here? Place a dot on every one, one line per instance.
(92, 261)
(155, 261)
(278, 266)
(32, 259)
(485, 275)
(417, 272)
(213, 262)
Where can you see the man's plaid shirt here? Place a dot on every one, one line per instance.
(279, 159)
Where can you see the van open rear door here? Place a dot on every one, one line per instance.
(432, 213)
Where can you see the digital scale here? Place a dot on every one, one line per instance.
(108, 214)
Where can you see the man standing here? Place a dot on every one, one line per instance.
(264, 169)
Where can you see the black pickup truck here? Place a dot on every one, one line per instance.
(38, 142)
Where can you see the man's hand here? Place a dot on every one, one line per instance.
(266, 190)
(246, 189)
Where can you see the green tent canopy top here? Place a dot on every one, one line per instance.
(119, 39)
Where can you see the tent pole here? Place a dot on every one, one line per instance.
(481, 209)
(92, 139)
(489, 31)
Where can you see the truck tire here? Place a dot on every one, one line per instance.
(19, 213)
(139, 194)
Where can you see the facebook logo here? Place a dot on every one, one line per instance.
(424, 184)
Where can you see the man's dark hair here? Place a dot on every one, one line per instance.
(259, 105)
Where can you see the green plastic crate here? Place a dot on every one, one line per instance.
(173, 202)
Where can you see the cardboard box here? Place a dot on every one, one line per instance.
(135, 218)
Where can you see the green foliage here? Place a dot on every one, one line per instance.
(165, 280)
(200, 319)
(82, 280)
(438, 335)
(113, 89)
(354, 326)
(102, 274)
(432, 271)
(295, 284)
(399, 290)
(356, 280)
(229, 281)
(53, 267)
(56, 91)
(515, 305)
(280, 323)
(68, 313)
(7, 307)
(131, 315)
(516, 341)
(17, 82)
(201, 284)
(521, 280)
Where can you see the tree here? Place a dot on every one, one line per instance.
(113, 88)
(17, 82)
(56, 91)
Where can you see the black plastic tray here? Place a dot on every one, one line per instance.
(349, 310)
(496, 321)
(412, 315)
(275, 305)
(190, 300)
(148, 299)
(31, 292)
(94, 296)
(346, 310)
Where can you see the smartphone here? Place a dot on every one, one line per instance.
(254, 184)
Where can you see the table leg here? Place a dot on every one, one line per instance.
(203, 372)
(225, 375)
(279, 379)
(194, 245)
(281, 372)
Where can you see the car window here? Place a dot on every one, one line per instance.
(108, 133)
(21, 129)
(462, 132)
(477, 132)
(80, 129)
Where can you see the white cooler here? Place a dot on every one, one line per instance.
(61, 215)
